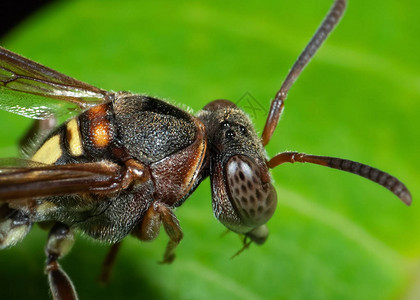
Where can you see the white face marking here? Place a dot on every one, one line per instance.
(254, 200)
(246, 169)
(232, 167)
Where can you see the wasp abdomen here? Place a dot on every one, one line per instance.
(97, 128)
(89, 135)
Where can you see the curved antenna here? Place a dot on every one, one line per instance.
(321, 34)
(380, 177)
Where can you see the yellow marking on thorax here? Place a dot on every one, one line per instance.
(49, 152)
(74, 138)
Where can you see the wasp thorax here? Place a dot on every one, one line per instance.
(250, 190)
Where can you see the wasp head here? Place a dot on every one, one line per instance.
(243, 197)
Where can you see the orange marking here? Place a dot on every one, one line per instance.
(100, 134)
(100, 130)
(97, 111)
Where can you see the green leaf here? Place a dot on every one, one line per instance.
(334, 235)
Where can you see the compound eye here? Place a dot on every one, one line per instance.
(250, 190)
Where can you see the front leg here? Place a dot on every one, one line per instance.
(148, 229)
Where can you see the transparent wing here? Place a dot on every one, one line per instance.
(35, 91)
(23, 179)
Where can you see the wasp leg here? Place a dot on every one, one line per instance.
(149, 228)
(60, 241)
(173, 230)
(14, 226)
(245, 245)
(109, 263)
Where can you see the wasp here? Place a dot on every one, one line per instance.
(126, 161)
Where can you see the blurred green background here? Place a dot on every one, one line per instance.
(334, 235)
